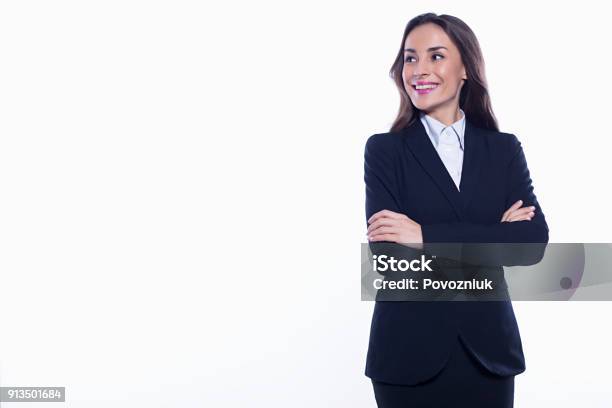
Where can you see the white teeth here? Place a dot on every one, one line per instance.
(425, 86)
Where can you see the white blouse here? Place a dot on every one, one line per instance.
(448, 142)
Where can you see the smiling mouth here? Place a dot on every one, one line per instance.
(425, 87)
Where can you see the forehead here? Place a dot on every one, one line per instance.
(427, 35)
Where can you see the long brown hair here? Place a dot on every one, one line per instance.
(474, 97)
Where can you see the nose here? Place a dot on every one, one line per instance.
(421, 68)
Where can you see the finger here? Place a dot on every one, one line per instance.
(510, 212)
(380, 222)
(384, 230)
(520, 217)
(521, 211)
(516, 205)
(513, 207)
(384, 213)
(384, 237)
(399, 221)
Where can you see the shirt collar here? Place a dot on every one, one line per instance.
(436, 127)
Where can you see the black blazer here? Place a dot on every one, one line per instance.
(411, 341)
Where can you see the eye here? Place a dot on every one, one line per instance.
(408, 57)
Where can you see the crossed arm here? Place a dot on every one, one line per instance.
(522, 222)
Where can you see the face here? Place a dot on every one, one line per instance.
(432, 58)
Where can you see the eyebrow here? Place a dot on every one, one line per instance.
(429, 49)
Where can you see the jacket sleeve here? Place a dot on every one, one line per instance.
(382, 192)
(380, 176)
(519, 187)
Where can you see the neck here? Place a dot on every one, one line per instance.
(446, 116)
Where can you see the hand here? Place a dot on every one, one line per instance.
(515, 213)
(391, 226)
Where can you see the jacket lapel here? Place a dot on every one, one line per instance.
(473, 156)
(418, 142)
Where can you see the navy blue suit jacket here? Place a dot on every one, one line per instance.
(411, 341)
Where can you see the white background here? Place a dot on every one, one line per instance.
(182, 197)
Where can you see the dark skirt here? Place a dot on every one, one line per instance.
(463, 382)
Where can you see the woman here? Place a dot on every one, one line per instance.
(445, 173)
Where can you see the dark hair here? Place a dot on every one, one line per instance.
(474, 97)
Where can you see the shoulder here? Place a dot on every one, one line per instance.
(501, 143)
(383, 143)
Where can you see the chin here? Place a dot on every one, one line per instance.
(425, 107)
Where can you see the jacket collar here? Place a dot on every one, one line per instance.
(417, 140)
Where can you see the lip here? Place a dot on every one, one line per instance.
(424, 91)
(425, 83)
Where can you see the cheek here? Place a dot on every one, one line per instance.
(442, 71)
(406, 75)
(406, 79)
(449, 74)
